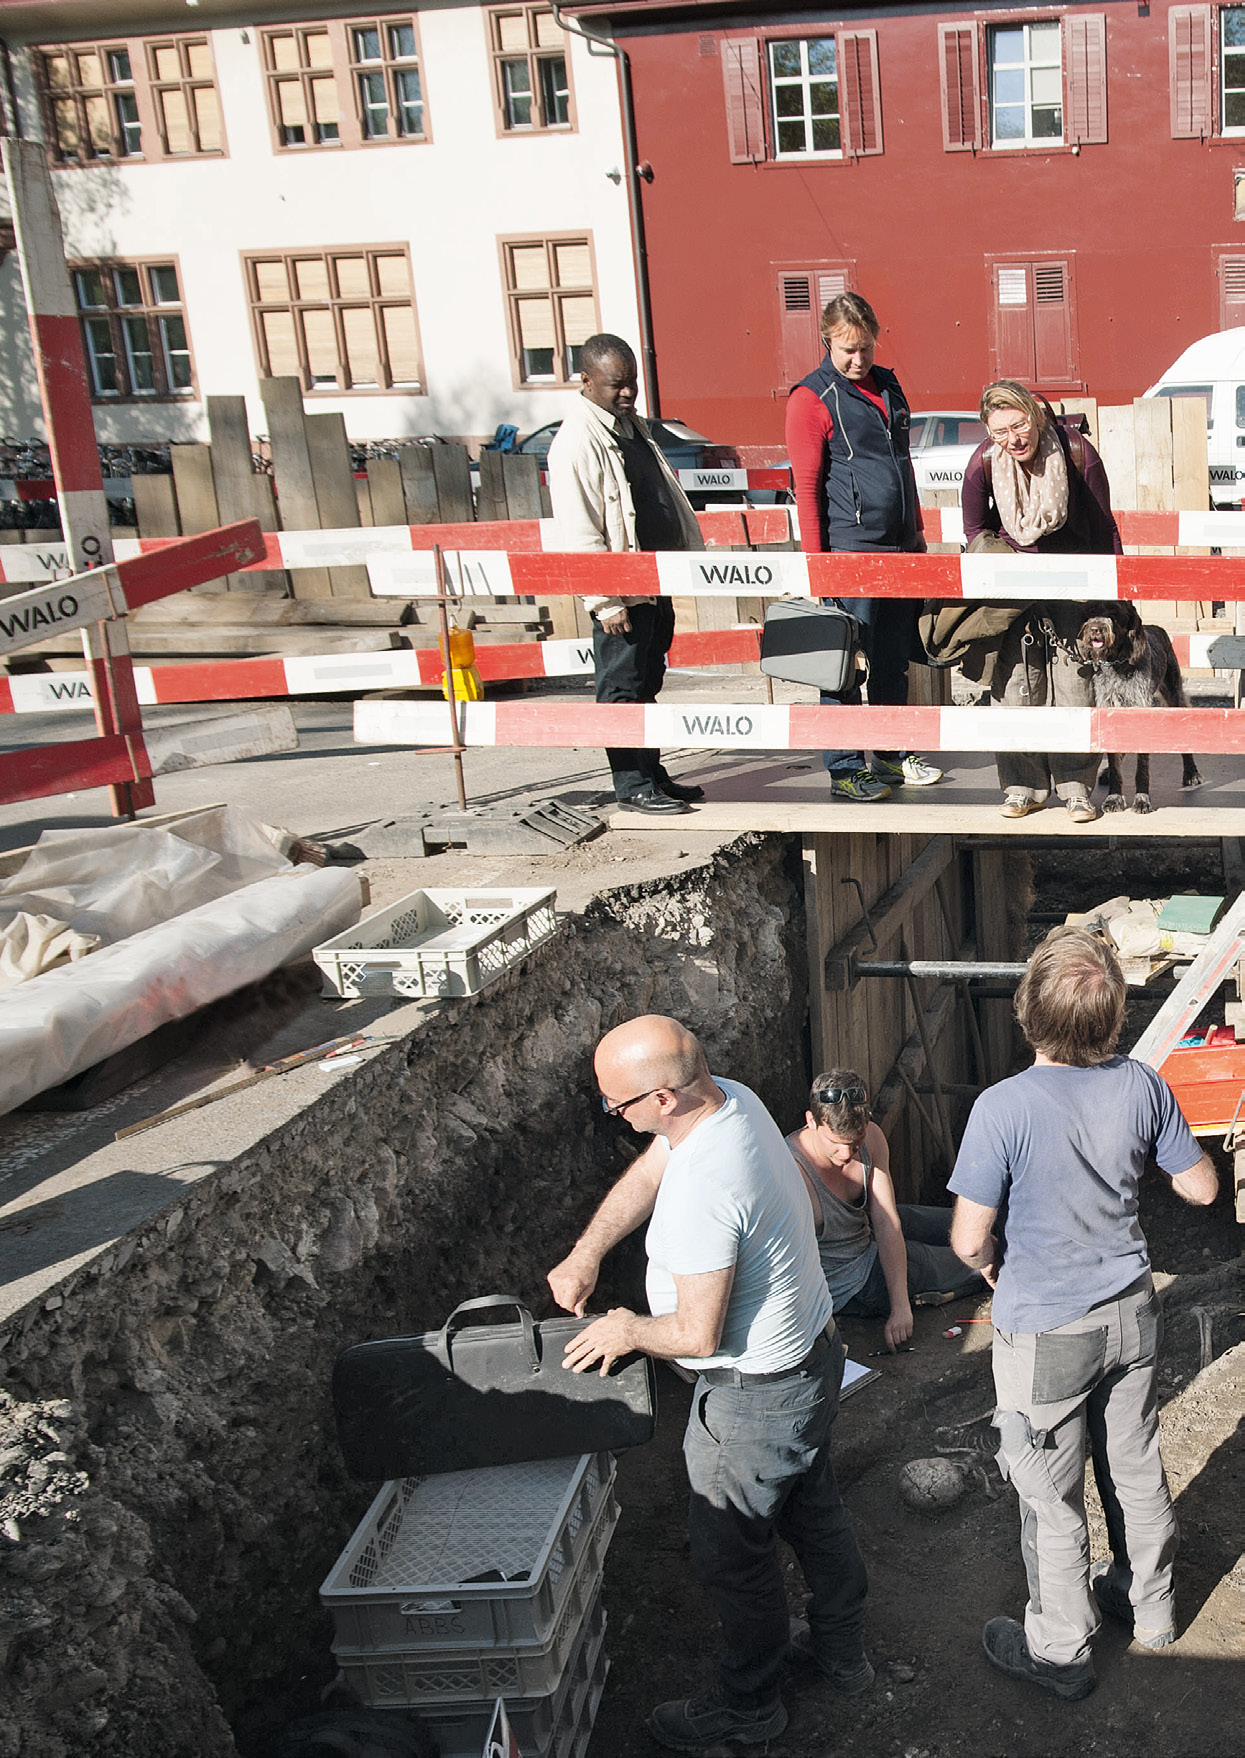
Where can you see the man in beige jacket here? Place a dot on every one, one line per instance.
(612, 490)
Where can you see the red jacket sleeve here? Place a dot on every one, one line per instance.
(809, 426)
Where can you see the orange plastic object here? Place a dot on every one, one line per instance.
(468, 684)
(1208, 1084)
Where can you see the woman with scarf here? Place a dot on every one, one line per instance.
(1042, 491)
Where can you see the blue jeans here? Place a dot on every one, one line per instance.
(933, 1267)
(888, 635)
(758, 1462)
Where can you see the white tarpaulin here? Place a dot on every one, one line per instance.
(68, 1019)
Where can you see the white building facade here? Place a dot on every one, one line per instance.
(419, 212)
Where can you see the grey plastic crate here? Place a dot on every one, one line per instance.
(556, 1726)
(434, 944)
(413, 1574)
(422, 1676)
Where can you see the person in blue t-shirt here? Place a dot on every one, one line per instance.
(1059, 1150)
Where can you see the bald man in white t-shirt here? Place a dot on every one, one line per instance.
(737, 1295)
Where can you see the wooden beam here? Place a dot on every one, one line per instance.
(1211, 966)
(892, 911)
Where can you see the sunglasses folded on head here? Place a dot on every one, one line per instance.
(853, 1095)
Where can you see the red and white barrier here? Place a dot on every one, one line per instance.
(795, 727)
(236, 680)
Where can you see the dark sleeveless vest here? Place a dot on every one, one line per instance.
(870, 495)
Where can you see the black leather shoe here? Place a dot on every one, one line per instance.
(681, 790)
(648, 799)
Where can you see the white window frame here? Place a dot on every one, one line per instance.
(1028, 139)
(805, 80)
(1237, 52)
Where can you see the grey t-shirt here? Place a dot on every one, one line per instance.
(732, 1195)
(1063, 1149)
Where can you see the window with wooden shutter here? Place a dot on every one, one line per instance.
(1085, 78)
(1190, 59)
(1231, 271)
(333, 318)
(959, 75)
(552, 306)
(745, 102)
(1032, 326)
(860, 95)
(803, 294)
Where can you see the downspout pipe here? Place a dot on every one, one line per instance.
(648, 354)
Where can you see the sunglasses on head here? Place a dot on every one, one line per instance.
(853, 1095)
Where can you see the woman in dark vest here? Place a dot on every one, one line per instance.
(1042, 491)
(847, 438)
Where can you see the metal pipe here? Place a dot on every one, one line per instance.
(639, 245)
(448, 658)
(944, 970)
(940, 1102)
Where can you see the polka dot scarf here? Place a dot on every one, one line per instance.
(1032, 498)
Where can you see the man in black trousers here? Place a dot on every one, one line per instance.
(612, 490)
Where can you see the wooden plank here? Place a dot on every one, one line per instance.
(233, 476)
(1152, 443)
(384, 479)
(332, 473)
(292, 474)
(419, 486)
(1211, 967)
(196, 493)
(894, 909)
(491, 499)
(1115, 444)
(824, 1009)
(1190, 470)
(155, 506)
(363, 498)
(993, 943)
(521, 478)
(451, 465)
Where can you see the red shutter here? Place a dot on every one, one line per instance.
(1053, 356)
(1013, 321)
(1085, 78)
(1231, 292)
(799, 324)
(959, 76)
(860, 98)
(1189, 46)
(745, 107)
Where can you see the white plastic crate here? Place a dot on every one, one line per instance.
(556, 1726)
(469, 1558)
(433, 944)
(418, 1677)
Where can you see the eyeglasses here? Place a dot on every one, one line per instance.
(855, 1095)
(617, 1110)
(1015, 431)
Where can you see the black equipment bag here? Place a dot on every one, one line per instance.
(472, 1395)
(808, 642)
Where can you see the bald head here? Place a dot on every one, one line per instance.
(648, 1053)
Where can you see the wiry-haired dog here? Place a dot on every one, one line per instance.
(1134, 667)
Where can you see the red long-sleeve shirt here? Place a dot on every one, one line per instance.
(809, 427)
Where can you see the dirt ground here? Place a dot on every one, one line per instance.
(935, 1581)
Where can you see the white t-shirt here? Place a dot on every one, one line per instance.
(732, 1194)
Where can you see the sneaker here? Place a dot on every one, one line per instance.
(702, 1724)
(1081, 809)
(1017, 803)
(1114, 1603)
(849, 1674)
(908, 771)
(858, 784)
(1007, 1648)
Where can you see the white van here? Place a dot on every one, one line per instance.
(1214, 369)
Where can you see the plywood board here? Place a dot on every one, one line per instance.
(196, 496)
(521, 478)
(333, 476)
(451, 465)
(233, 476)
(419, 486)
(1152, 448)
(292, 474)
(1115, 445)
(384, 479)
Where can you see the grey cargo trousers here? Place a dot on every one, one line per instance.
(1096, 1373)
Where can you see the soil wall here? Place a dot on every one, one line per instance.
(170, 1489)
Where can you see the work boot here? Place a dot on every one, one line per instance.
(1114, 1602)
(848, 1672)
(700, 1724)
(1007, 1647)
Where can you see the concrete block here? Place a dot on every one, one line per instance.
(225, 738)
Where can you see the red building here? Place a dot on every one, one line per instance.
(1048, 192)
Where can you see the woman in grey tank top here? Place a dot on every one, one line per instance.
(876, 1253)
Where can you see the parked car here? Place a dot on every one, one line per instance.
(693, 458)
(943, 440)
(1214, 370)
